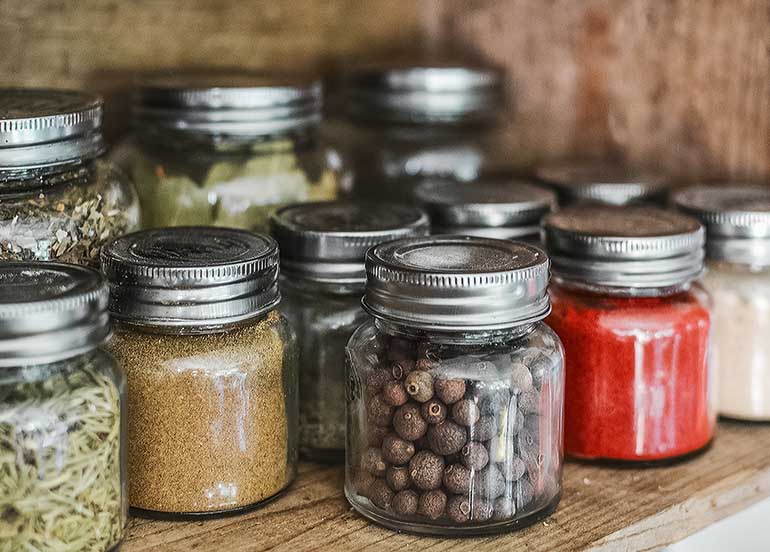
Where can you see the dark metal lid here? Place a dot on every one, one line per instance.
(635, 247)
(43, 127)
(457, 283)
(327, 241)
(426, 93)
(233, 104)
(603, 183)
(191, 276)
(50, 311)
(499, 208)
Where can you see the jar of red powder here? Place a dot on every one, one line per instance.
(635, 329)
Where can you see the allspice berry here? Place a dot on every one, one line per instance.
(426, 351)
(482, 510)
(405, 503)
(465, 412)
(529, 402)
(426, 470)
(523, 493)
(474, 455)
(394, 393)
(362, 482)
(373, 462)
(513, 469)
(484, 430)
(379, 412)
(381, 495)
(458, 508)
(397, 451)
(419, 385)
(432, 504)
(409, 423)
(400, 349)
(504, 508)
(376, 380)
(449, 391)
(447, 437)
(521, 377)
(398, 478)
(434, 411)
(425, 364)
(457, 479)
(401, 368)
(375, 434)
(489, 482)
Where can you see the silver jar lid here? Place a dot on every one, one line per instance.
(492, 207)
(629, 247)
(607, 183)
(327, 241)
(50, 312)
(229, 104)
(737, 221)
(44, 127)
(426, 93)
(193, 277)
(457, 283)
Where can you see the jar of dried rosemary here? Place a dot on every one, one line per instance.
(210, 366)
(59, 198)
(226, 149)
(61, 401)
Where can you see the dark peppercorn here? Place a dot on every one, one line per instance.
(379, 412)
(489, 482)
(398, 478)
(376, 380)
(529, 402)
(504, 507)
(457, 479)
(481, 510)
(401, 368)
(394, 393)
(434, 411)
(373, 462)
(465, 412)
(362, 482)
(432, 504)
(458, 508)
(523, 493)
(513, 469)
(405, 503)
(447, 437)
(484, 430)
(419, 385)
(474, 455)
(409, 423)
(396, 450)
(449, 391)
(426, 470)
(380, 494)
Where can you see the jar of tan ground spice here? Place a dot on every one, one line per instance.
(210, 366)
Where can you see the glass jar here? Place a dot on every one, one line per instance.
(226, 150)
(636, 332)
(62, 454)
(737, 221)
(322, 279)
(491, 207)
(211, 369)
(59, 198)
(455, 389)
(406, 123)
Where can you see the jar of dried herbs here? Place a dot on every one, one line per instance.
(322, 279)
(210, 366)
(59, 198)
(226, 150)
(61, 401)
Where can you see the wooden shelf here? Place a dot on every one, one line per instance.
(601, 509)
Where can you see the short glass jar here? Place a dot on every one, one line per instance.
(737, 221)
(62, 453)
(59, 198)
(211, 369)
(455, 389)
(636, 332)
(226, 150)
(402, 123)
(491, 207)
(323, 246)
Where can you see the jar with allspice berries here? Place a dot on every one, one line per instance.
(455, 388)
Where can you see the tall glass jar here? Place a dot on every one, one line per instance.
(211, 369)
(402, 123)
(62, 454)
(491, 207)
(636, 332)
(226, 150)
(60, 199)
(322, 279)
(455, 389)
(737, 221)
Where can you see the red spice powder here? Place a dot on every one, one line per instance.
(637, 382)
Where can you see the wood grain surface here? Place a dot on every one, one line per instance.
(602, 508)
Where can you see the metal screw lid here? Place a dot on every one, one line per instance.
(426, 94)
(327, 241)
(43, 127)
(457, 283)
(50, 311)
(603, 183)
(191, 276)
(634, 247)
(231, 104)
(737, 220)
(493, 207)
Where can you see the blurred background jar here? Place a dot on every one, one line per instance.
(226, 149)
(60, 199)
(737, 221)
(323, 246)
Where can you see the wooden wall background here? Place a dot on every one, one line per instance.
(684, 84)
